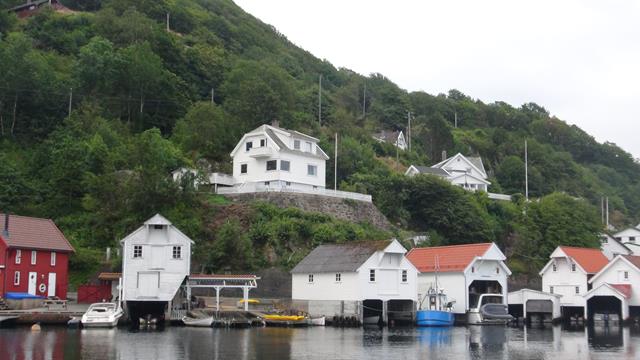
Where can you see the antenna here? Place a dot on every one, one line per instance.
(335, 164)
(455, 119)
(364, 101)
(320, 100)
(409, 130)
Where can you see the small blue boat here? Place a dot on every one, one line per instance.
(434, 318)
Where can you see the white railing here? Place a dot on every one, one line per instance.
(503, 197)
(221, 178)
(253, 188)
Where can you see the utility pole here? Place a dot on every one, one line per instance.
(409, 130)
(320, 100)
(335, 166)
(526, 172)
(607, 213)
(602, 209)
(212, 102)
(364, 101)
(168, 22)
(70, 100)
(455, 119)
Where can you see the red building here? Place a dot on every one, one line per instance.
(34, 257)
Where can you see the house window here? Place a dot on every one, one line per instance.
(573, 267)
(53, 258)
(497, 270)
(312, 170)
(284, 165)
(555, 268)
(309, 145)
(618, 238)
(338, 277)
(249, 145)
(18, 256)
(158, 226)
(243, 168)
(605, 240)
(577, 289)
(372, 275)
(626, 275)
(473, 269)
(632, 238)
(266, 183)
(296, 144)
(263, 142)
(551, 289)
(34, 256)
(16, 278)
(288, 183)
(177, 252)
(272, 165)
(137, 251)
(310, 278)
(404, 276)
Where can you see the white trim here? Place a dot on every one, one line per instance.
(54, 258)
(34, 257)
(16, 283)
(18, 259)
(446, 161)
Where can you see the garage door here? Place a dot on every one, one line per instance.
(540, 306)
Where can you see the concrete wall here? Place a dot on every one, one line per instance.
(350, 210)
(564, 282)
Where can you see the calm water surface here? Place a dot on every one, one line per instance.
(321, 343)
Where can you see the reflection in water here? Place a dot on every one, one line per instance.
(475, 342)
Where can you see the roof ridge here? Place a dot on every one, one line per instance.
(449, 246)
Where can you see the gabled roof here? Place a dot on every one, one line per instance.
(631, 260)
(474, 161)
(33, 233)
(347, 257)
(429, 170)
(270, 132)
(624, 289)
(158, 219)
(453, 258)
(483, 181)
(621, 290)
(590, 260)
(389, 136)
(611, 238)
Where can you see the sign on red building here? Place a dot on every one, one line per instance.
(34, 257)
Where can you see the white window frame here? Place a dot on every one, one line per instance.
(296, 144)
(34, 257)
(405, 276)
(288, 165)
(577, 290)
(372, 275)
(550, 289)
(554, 267)
(573, 267)
(338, 277)
(267, 165)
(315, 170)
(248, 146)
(246, 167)
(135, 247)
(310, 279)
(626, 276)
(309, 146)
(54, 256)
(16, 278)
(263, 142)
(176, 250)
(18, 256)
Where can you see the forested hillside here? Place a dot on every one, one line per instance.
(97, 107)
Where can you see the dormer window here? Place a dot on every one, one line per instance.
(249, 145)
(158, 226)
(263, 142)
(296, 144)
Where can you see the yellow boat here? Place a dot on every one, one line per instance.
(284, 317)
(250, 301)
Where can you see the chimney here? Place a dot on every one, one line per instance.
(275, 123)
(444, 155)
(5, 232)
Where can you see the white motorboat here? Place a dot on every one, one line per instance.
(198, 322)
(489, 309)
(102, 315)
(371, 320)
(317, 321)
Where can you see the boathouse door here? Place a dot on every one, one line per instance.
(33, 279)
(52, 285)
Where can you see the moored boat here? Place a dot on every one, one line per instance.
(437, 311)
(198, 322)
(102, 315)
(285, 320)
(317, 321)
(434, 318)
(489, 309)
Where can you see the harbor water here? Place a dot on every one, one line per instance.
(323, 343)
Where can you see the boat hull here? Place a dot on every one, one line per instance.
(474, 317)
(94, 323)
(204, 322)
(434, 318)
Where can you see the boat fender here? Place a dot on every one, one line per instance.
(35, 327)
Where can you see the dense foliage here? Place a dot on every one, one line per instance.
(145, 101)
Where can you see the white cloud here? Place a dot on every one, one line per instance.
(579, 59)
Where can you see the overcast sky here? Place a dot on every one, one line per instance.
(578, 59)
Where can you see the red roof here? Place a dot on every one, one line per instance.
(624, 289)
(450, 258)
(591, 260)
(33, 233)
(634, 259)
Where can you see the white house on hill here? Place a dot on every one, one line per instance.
(466, 172)
(396, 138)
(464, 272)
(364, 279)
(156, 259)
(630, 238)
(567, 273)
(611, 247)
